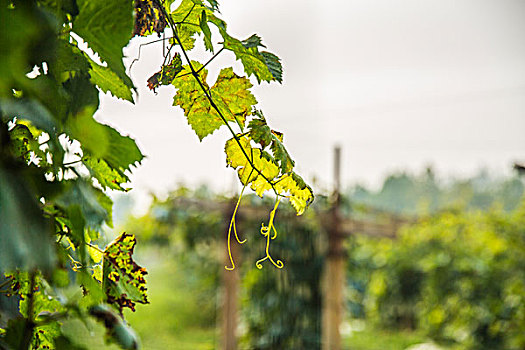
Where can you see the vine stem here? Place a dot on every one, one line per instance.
(140, 48)
(205, 64)
(95, 247)
(208, 96)
(166, 56)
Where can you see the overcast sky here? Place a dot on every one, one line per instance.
(398, 84)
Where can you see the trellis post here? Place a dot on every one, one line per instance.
(334, 273)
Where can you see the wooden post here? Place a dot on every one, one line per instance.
(230, 282)
(334, 274)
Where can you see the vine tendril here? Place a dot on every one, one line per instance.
(266, 231)
(233, 226)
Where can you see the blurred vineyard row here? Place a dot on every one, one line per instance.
(454, 278)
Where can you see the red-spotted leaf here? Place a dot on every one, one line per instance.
(122, 278)
(149, 18)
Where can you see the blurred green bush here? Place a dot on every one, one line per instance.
(459, 276)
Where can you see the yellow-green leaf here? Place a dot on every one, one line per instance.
(230, 94)
(185, 34)
(299, 193)
(247, 174)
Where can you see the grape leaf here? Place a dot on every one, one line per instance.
(64, 343)
(274, 65)
(27, 37)
(185, 33)
(95, 206)
(203, 23)
(190, 11)
(281, 154)
(103, 142)
(123, 280)
(213, 5)
(116, 329)
(14, 333)
(247, 174)
(61, 8)
(69, 58)
(149, 18)
(107, 80)
(122, 152)
(261, 133)
(300, 194)
(230, 94)
(166, 75)
(20, 137)
(191, 17)
(25, 145)
(92, 290)
(106, 176)
(264, 65)
(44, 336)
(28, 109)
(83, 95)
(107, 26)
(42, 305)
(288, 183)
(253, 41)
(26, 237)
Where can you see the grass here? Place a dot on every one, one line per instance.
(173, 319)
(373, 339)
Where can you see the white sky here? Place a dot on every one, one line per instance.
(398, 84)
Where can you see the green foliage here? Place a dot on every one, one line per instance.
(106, 176)
(24, 229)
(52, 209)
(264, 65)
(457, 276)
(117, 330)
(261, 133)
(108, 81)
(57, 161)
(107, 27)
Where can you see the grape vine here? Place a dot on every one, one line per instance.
(57, 163)
(228, 101)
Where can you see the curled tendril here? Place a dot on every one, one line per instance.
(266, 231)
(234, 228)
